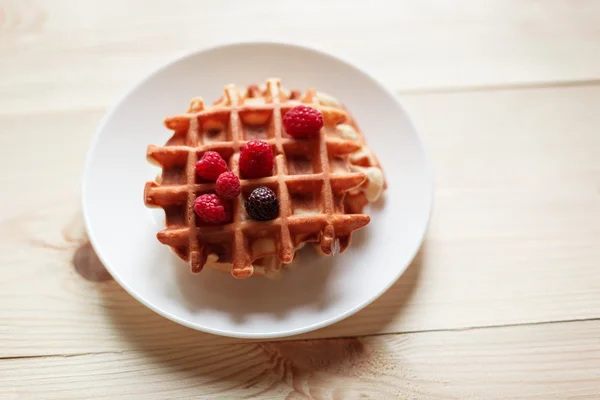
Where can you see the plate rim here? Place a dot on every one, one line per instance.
(116, 104)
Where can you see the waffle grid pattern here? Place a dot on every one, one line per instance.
(225, 128)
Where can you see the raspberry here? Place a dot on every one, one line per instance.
(228, 186)
(211, 165)
(211, 209)
(303, 122)
(256, 159)
(262, 204)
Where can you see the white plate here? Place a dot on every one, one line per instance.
(320, 290)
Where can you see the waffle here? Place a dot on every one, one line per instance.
(322, 184)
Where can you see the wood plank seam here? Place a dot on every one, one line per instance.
(294, 340)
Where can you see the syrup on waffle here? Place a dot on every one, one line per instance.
(322, 184)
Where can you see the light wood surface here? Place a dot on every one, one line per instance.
(503, 300)
(552, 361)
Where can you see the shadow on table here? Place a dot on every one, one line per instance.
(189, 352)
(307, 287)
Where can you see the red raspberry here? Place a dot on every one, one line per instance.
(211, 209)
(211, 165)
(256, 159)
(303, 122)
(228, 186)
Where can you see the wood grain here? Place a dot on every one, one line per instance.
(72, 55)
(505, 94)
(514, 237)
(556, 361)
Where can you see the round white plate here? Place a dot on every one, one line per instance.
(319, 290)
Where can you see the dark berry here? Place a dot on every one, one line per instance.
(262, 204)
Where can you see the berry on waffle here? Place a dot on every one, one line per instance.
(321, 183)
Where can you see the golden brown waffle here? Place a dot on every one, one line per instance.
(361, 160)
(321, 191)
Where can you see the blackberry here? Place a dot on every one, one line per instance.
(262, 204)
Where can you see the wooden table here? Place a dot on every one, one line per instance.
(503, 300)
